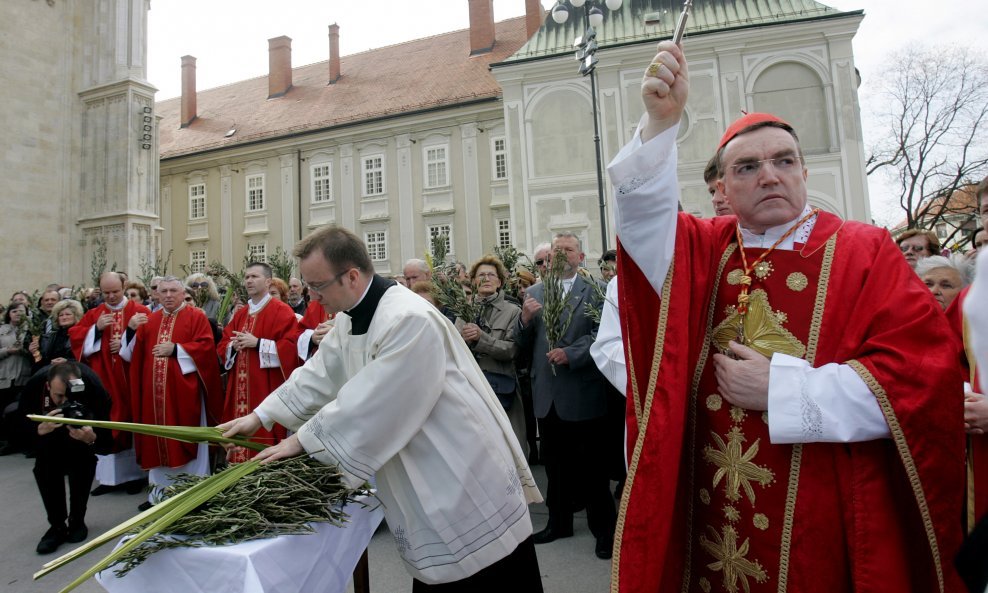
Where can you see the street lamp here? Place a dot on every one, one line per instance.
(586, 46)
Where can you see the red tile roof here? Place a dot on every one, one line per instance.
(425, 73)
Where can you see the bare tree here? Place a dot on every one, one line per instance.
(934, 107)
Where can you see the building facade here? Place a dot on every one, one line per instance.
(486, 134)
(80, 164)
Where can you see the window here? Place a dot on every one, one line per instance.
(435, 167)
(197, 261)
(373, 175)
(377, 245)
(795, 93)
(322, 183)
(437, 230)
(255, 193)
(941, 230)
(257, 252)
(197, 201)
(503, 229)
(500, 154)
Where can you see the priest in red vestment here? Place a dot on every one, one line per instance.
(259, 351)
(789, 427)
(96, 341)
(174, 372)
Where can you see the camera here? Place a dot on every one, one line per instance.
(75, 410)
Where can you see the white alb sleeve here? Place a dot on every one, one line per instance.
(829, 404)
(647, 202)
(185, 362)
(608, 349)
(267, 352)
(91, 345)
(977, 318)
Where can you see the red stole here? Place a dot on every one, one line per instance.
(872, 516)
(248, 384)
(112, 370)
(161, 394)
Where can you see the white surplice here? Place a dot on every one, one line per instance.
(406, 403)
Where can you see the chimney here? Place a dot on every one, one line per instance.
(279, 66)
(334, 53)
(188, 90)
(534, 15)
(481, 26)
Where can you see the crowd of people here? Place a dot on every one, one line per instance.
(784, 399)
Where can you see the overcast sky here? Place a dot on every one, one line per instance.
(229, 37)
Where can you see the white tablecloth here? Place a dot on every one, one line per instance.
(321, 562)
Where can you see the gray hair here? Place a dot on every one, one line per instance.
(569, 235)
(170, 278)
(419, 263)
(955, 262)
(541, 246)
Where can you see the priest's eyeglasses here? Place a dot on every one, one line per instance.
(320, 286)
(782, 164)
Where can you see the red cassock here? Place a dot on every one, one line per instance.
(112, 370)
(976, 500)
(161, 394)
(710, 504)
(314, 315)
(247, 383)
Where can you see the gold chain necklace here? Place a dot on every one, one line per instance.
(746, 278)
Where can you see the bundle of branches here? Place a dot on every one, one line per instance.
(234, 286)
(511, 258)
(556, 309)
(219, 509)
(451, 293)
(595, 306)
(33, 324)
(282, 264)
(280, 498)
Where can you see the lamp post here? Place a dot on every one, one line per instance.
(586, 46)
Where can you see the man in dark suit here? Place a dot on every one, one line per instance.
(571, 406)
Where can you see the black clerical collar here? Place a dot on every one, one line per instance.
(362, 314)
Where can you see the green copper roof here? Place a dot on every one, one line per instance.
(627, 24)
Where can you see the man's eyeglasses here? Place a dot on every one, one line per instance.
(320, 286)
(539, 262)
(188, 299)
(154, 288)
(749, 169)
(913, 248)
(199, 285)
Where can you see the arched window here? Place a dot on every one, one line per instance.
(562, 135)
(794, 92)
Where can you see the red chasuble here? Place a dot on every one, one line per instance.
(109, 367)
(161, 394)
(710, 504)
(976, 499)
(314, 315)
(248, 384)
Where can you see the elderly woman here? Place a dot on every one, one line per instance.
(15, 362)
(945, 277)
(916, 244)
(491, 336)
(205, 292)
(136, 291)
(55, 345)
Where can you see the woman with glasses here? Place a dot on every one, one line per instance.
(916, 244)
(205, 294)
(137, 292)
(491, 336)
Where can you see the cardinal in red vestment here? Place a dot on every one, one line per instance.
(259, 350)
(789, 427)
(173, 372)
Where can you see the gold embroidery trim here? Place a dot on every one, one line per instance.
(692, 403)
(735, 465)
(907, 459)
(714, 402)
(642, 416)
(795, 464)
(734, 276)
(731, 560)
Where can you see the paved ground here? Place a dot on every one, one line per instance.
(568, 565)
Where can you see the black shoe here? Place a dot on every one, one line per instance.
(135, 486)
(144, 506)
(551, 534)
(102, 489)
(54, 537)
(77, 534)
(604, 548)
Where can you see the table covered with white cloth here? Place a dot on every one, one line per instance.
(320, 562)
